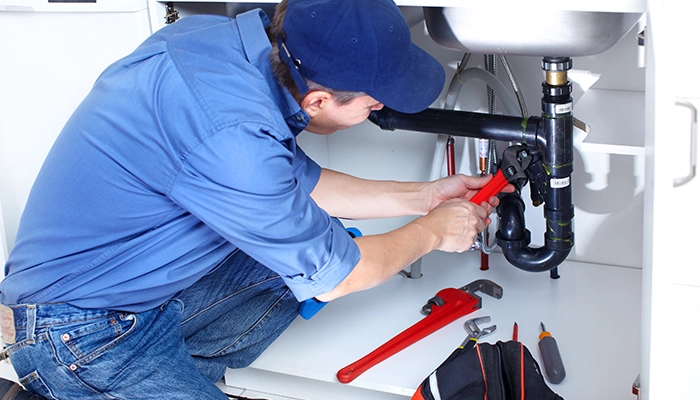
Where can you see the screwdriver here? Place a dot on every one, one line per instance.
(551, 358)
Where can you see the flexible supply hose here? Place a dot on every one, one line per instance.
(515, 85)
(461, 76)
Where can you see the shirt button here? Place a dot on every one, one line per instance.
(299, 118)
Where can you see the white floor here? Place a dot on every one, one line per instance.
(304, 360)
(7, 372)
(251, 394)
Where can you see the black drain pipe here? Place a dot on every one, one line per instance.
(462, 123)
(550, 137)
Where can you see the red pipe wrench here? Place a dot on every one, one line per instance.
(447, 305)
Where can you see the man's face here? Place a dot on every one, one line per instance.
(328, 116)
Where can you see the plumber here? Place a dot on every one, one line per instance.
(176, 226)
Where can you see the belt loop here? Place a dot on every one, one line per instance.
(31, 322)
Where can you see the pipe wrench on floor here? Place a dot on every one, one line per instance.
(446, 306)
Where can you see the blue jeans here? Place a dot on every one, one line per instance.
(176, 351)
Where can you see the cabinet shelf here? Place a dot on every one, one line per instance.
(587, 298)
(620, 132)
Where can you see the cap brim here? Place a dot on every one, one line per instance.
(417, 88)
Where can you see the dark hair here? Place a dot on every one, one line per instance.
(279, 68)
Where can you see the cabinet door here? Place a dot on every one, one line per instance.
(671, 320)
(675, 361)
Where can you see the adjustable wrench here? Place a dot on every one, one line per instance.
(446, 306)
(516, 160)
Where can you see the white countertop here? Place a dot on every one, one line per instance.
(592, 310)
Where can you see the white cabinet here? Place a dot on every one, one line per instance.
(671, 290)
(58, 50)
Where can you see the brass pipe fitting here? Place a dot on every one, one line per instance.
(555, 70)
(556, 78)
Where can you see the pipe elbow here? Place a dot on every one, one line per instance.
(539, 259)
(514, 239)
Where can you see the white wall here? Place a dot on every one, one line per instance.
(3, 245)
(50, 61)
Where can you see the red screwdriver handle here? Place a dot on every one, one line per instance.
(495, 185)
(458, 303)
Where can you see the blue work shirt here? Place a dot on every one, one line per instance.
(182, 152)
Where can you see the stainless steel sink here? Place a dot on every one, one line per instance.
(531, 32)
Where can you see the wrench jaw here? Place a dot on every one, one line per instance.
(480, 285)
(472, 327)
(473, 330)
(484, 286)
(516, 160)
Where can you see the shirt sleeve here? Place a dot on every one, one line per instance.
(252, 186)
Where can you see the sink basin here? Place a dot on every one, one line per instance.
(528, 32)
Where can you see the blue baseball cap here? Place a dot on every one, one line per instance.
(359, 46)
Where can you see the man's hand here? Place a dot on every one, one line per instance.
(460, 187)
(455, 224)
(449, 222)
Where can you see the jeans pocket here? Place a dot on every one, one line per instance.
(81, 343)
(36, 385)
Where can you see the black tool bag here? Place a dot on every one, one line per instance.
(502, 371)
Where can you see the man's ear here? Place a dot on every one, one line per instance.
(315, 101)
